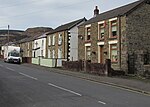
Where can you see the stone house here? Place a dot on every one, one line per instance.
(121, 34)
(62, 42)
(26, 45)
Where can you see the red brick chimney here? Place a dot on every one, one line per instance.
(96, 11)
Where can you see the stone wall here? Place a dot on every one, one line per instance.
(81, 41)
(55, 47)
(94, 38)
(94, 41)
(138, 35)
(124, 52)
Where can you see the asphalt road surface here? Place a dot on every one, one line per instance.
(22, 86)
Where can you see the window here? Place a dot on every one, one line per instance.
(59, 53)
(28, 45)
(42, 44)
(53, 41)
(88, 53)
(33, 45)
(113, 53)
(49, 40)
(88, 30)
(49, 53)
(113, 28)
(53, 56)
(41, 52)
(60, 39)
(101, 31)
(36, 44)
(28, 50)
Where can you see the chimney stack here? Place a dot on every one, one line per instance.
(96, 11)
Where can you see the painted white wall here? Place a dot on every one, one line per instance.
(38, 52)
(74, 43)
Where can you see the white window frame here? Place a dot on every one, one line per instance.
(60, 39)
(49, 40)
(53, 54)
(59, 53)
(53, 41)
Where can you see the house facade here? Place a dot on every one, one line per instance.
(62, 43)
(26, 45)
(121, 34)
(39, 46)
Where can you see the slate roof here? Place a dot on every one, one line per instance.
(115, 12)
(67, 26)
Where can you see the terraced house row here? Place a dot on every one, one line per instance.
(121, 34)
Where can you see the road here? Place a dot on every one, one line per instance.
(23, 86)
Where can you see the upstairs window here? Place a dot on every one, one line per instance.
(28, 46)
(53, 40)
(49, 40)
(113, 28)
(60, 39)
(42, 44)
(88, 33)
(101, 31)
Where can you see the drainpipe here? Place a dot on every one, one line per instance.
(119, 19)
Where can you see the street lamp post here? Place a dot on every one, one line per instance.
(8, 34)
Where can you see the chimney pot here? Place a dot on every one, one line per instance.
(96, 11)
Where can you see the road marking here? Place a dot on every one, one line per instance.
(10, 69)
(102, 102)
(64, 89)
(28, 76)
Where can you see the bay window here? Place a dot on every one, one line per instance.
(113, 53)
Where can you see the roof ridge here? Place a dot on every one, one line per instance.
(122, 10)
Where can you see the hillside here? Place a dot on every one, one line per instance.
(14, 35)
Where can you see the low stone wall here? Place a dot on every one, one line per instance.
(146, 71)
(93, 68)
(26, 60)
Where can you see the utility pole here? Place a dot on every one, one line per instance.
(8, 34)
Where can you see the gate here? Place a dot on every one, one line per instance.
(131, 63)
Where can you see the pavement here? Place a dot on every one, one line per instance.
(135, 85)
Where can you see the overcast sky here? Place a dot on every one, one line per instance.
(22, 14)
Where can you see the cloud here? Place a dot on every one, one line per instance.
(21, 14)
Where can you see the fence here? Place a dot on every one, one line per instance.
(93, 68)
